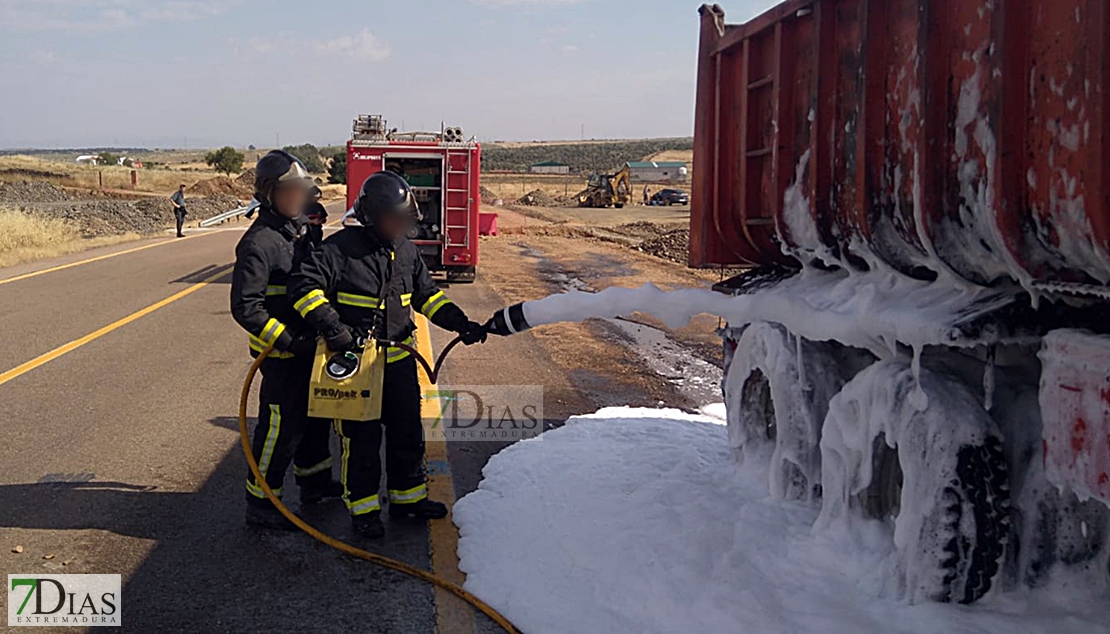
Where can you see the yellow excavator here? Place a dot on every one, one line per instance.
(604, 190)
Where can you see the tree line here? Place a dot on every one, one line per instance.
(581, 157)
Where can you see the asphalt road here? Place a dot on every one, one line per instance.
(121, 455)
(120, 371)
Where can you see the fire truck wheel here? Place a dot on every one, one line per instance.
(461, 274)
(923, 456)
(777, 392)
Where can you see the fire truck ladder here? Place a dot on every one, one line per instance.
(458, 196)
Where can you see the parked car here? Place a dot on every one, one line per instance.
(670, 197)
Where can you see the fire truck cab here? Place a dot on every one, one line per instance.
(443, 169)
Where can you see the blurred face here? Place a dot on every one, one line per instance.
(289, 200)
(393, 227)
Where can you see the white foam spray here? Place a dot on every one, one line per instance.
(865, 310)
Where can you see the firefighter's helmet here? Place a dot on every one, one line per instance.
(279, 168)
(385, 193)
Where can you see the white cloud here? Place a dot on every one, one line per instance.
(363, 45)
(525, 3)
(570, 48)
(103, 15)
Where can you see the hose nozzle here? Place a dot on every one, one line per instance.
(508, 321)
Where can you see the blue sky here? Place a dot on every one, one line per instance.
(202, 73)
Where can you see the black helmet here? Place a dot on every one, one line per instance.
(278, 167)
(385, 193)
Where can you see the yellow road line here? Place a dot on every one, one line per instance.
(92, 336)
(452, 615)
(98, 258)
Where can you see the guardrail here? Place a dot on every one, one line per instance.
(228, 215)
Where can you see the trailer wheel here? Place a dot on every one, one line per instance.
(938, 475)
(1052, 529)
(775, 411)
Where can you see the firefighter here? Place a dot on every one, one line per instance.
(363, 282)
(316, 216)
(264, 258)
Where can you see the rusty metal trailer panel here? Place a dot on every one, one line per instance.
(963, 137)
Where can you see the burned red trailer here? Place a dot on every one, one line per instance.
(944, 164)
(443, 169)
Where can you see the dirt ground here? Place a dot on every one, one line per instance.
(533, 257)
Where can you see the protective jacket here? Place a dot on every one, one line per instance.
(355, 278)
(264, 259)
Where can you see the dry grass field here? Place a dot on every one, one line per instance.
(25, 239)
(69, 174)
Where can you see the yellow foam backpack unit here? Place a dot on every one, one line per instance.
(347, 385)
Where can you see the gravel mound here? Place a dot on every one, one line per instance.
(245, 182)
(221, 185)
(536, 197)
(487, 196)
(108, 216)
(32, 191)
(672, 245)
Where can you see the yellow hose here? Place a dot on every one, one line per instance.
(374, 558)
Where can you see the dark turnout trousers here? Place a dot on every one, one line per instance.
(360, 464)
(285, 433)
(180, 215)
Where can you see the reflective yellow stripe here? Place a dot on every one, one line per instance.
(364, 506)
(344, 454)
(275, 290)
(311, 301)
(271, 331)
(319, 467)
(406, 299)
(431, 300)
(267, 449)
(434, 303)
(257, 491)
(362, 301)
(393, 353)
(258, 346)
(408, 496)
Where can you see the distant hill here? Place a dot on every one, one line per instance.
(583, 157)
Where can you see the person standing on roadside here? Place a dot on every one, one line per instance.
(178, 200)
(647, 195)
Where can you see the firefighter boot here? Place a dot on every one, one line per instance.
(422, 510)
(267, 516)
(317, 491)
(369, 525)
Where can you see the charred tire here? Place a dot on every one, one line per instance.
(952, 519)
(775, 408)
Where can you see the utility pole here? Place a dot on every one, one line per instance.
(277, 139)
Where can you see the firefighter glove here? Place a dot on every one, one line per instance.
(304, 344)
(341, 339)
(472, 333)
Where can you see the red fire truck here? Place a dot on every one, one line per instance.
(443, 169)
